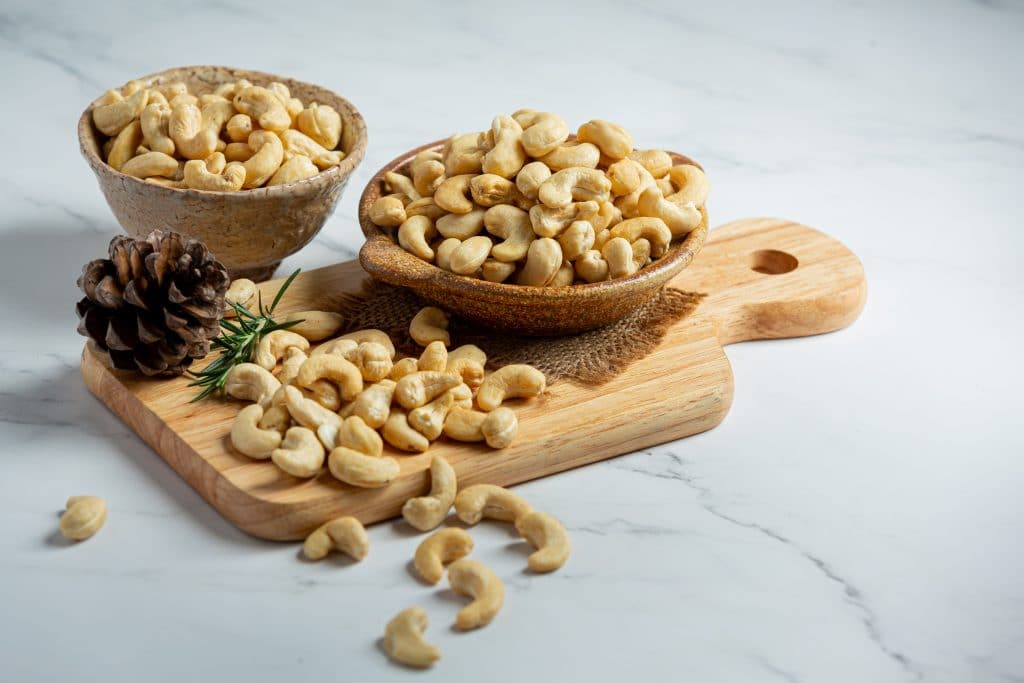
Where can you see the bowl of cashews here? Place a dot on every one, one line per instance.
(250, 163)
(527, 228)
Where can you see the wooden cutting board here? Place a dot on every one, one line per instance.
(764, 277)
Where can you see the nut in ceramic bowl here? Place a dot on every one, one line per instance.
(250, 230)
(516, 308)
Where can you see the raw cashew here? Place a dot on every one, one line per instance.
(359, 469)
(612, 139)
(465, 153)
(690, 183)
(416, 389)
(439, 549)
(198, 176)
(607, 216)
(476, 580)
(470, 351)
(531, 177)
(576, 183)
(192, 139)
(577, 238)
(542, 131)
(443, 252)
(295, 169)
(110, 97)
(514, 227)
(496, 271)
(461, 226)
(618, 254)
(427, 172)
(427, 512)
(627, 176)
(266, 159)
(401, 184)
(164, 182)
(276, 418)
(111, 119)
(543, 259)
(315, 325)
(263, 106)
(591, 266)
(430, 324)
(297, 143)
(241, 291)
(237, 151)
(650, 228)
(564, 276)
(548, 536)
(489, 190)
(359, 436)
(249, 438)
(310, 414)
(414, 234)
(471, 372)
(434, 357)
(656, 161)
(251, 382)
(346, 534)
(335, 368)
(400, 434)
(499, 427)
(387, 212)
(125, 144)
(463, 424)
(429, 418)
(369, 335)
(507, 156)
(403, 639)
(549, 222)
(454, 194)
(404, 367)
(582, 154)
(373, 361)
(322, 123)
(425, 207)
(493, 502)
(216, 114)
(510, 381)
(273, 345)
(462, 394)
(680, 219)
(83, 516)
(151, 164)
(373, 405)
(301, 454)
(467, 258)
(340, 346)
(239, 127)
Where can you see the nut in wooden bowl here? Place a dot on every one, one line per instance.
(515, 308)
(250, 230)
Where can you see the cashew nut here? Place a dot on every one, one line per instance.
(469, 351)
(454, 194)
(465, 153)
(623, 258)
(531, 177)
(322, 123)
(549, 222)
(273, 345)
(591, 266)
(125, 144)
(237, 151)
(373, 405)
(359, 469)
(401, 184)
(369, 335)
(424, 207)
(582, 154)
(413, 235)
(404, 367)
(467, 258)
(249, 438)
(499, 427)
(346, 534)
(542, 131)
(434, 357)
(359, 436)
(680, 219)
(198, 175)
(151, 164)
(489, 190)
(300, 454)
(656, 161)
(297, 143)
(251, 382)
(387, 212)
(690, 183)
(340, 346)
(429, 418)
(312, 415)
(315, 325)
(276, 418)
(440, 548)
(295, 169)
(403, 639)
(651, 228)
(612, 139)
(507, 156)
(427, 512)
(548, 536)
(576, 183)
(443, 253)
(192, 139)
(416, 389)
(493, 270)
(111, 119)
(471, 371)
(400, 434)
(514, 226)
(463, 424)
(239, 127)
(83, 516)
(461, 226)
(577, 238)
(430, 324)
(543, 259)
(266, 159)
(476, 580)
(607, 216)
(373, 361)
(480, 501)
(335, 368)
(241, 291)
(510, 381)
(264, 106)
(427, 172)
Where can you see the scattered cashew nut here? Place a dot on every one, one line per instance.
(83, 516)
(403, 639)
(548, 536)
(439, 549)
(476, 580)
(427, 512)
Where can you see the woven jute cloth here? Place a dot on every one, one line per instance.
(590, 358)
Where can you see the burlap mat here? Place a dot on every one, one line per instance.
(588, 358)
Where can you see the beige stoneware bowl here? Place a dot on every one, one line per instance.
(532, 311)
(249, 231)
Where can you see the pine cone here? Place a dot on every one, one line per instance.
(155, 304)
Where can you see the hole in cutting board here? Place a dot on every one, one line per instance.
(772, 262)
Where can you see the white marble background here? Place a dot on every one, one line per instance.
(858, 515)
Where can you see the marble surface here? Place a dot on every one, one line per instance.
(858, 515)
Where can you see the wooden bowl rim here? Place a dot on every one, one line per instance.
(333, 174)
(380, 246)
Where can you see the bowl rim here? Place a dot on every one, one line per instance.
(380, 246)
(335, 173)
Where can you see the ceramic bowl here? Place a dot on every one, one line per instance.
(249, 231)
(533, 311)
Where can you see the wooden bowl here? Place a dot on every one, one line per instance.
(532, 311)
(249, 231)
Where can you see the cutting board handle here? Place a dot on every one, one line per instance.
(770, 278)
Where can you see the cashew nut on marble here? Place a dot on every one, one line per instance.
(83, 516)
(345, 534)
(548, 536)
(439, 549)
(427, 512)
(404, 642)
(476, 580)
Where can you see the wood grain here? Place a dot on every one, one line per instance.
(765, 278)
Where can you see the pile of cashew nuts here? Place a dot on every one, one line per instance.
(522, 204)
(342, 400)
(448, 548)
(240, 136)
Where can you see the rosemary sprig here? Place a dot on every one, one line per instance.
(239, 340)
